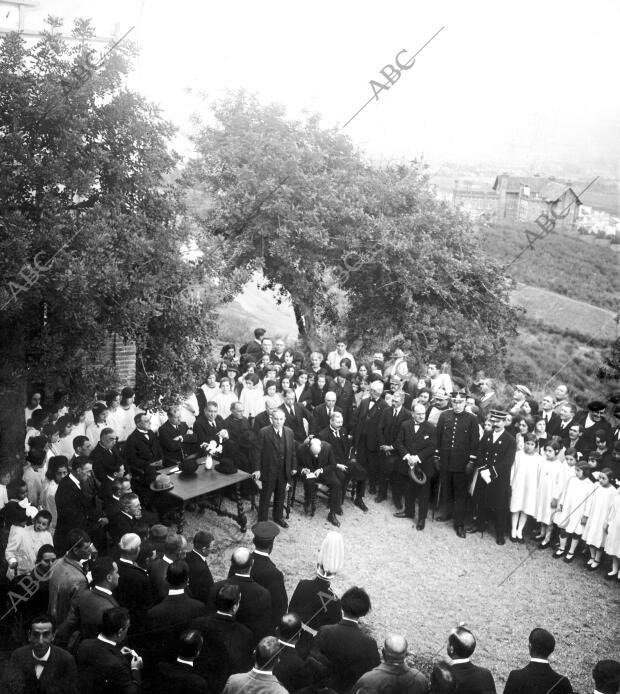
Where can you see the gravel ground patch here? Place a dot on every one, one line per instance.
(422, 584)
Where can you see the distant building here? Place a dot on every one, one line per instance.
(598, 222)
(476, 202)
(524, 198)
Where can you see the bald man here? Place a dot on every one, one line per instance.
(255, 607)
(393, 675)
(260, 679)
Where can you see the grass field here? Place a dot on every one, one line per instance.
(565, 314)
(423, 584)
(566, 264)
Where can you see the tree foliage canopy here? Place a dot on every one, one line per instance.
(361, 250)
(91, 229)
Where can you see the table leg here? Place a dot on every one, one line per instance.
(241, 517)
(180, 518)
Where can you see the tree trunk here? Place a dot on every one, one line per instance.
(305, 324)
(12, 403)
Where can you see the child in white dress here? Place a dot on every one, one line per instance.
(548, 476)
(524, 483)
(573, 510)
(594, 532)
(612, 543)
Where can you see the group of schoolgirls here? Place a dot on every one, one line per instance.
(559, 489)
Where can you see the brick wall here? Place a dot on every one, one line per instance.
(122, 353)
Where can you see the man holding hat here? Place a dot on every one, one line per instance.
(592, 420)
(366, 434)
(457, 445)
(496, 455)
(265, 572)
(520, 395)
(415, 445)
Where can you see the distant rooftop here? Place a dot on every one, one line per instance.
(545, 188)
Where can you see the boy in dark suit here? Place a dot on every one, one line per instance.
(538, 677)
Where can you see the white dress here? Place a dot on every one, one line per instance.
(48, 501)
(524, 482)
(601, 501)
(549, 473)
(612, 543)
(575, 500)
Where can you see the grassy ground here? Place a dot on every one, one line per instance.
(562, 263)
(423, 584)
(562, 313)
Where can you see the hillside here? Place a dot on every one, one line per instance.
(580, 268)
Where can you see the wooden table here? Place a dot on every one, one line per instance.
(199, 486)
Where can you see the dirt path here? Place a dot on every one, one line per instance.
(424, 583)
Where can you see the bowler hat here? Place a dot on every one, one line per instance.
(161, 484)
(417, 474)
(226, 467)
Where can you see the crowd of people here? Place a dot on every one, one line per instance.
(100, 585)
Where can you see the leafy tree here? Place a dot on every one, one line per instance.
(92, 231)
(362, 250)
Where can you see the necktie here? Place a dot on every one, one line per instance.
(38, 667)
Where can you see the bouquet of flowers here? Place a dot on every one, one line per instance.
(212, 449)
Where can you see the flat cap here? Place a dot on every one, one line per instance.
(265, 530)
(524, 389)
(158, 532)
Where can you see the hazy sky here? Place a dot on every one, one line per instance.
(509, 84)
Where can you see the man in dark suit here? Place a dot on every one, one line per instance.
(593, 420)
(200, 578)
(127, 520)
(349, 651)
(469, 678)
(134, 587)
(274, 465)
(366, 433)
(292, 669)
(552, 418)
(228, 644)
(104, 457)
(40, 667)
(175, 549)
(176, 439)
(538, 677)
(317, 463)
(295, 414)
(103, 667)
(255, 607)
(347, 468)
(75, 509)
(143, 452)
(166, 620)
(344, 395)
(415, 445)
(88, 606)
(262, 419)
(457, 444)
(491, 497)
(208, 424)
(181, 676)
(322, 413)
(241, 438)
(265, 572)
(390, 422)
